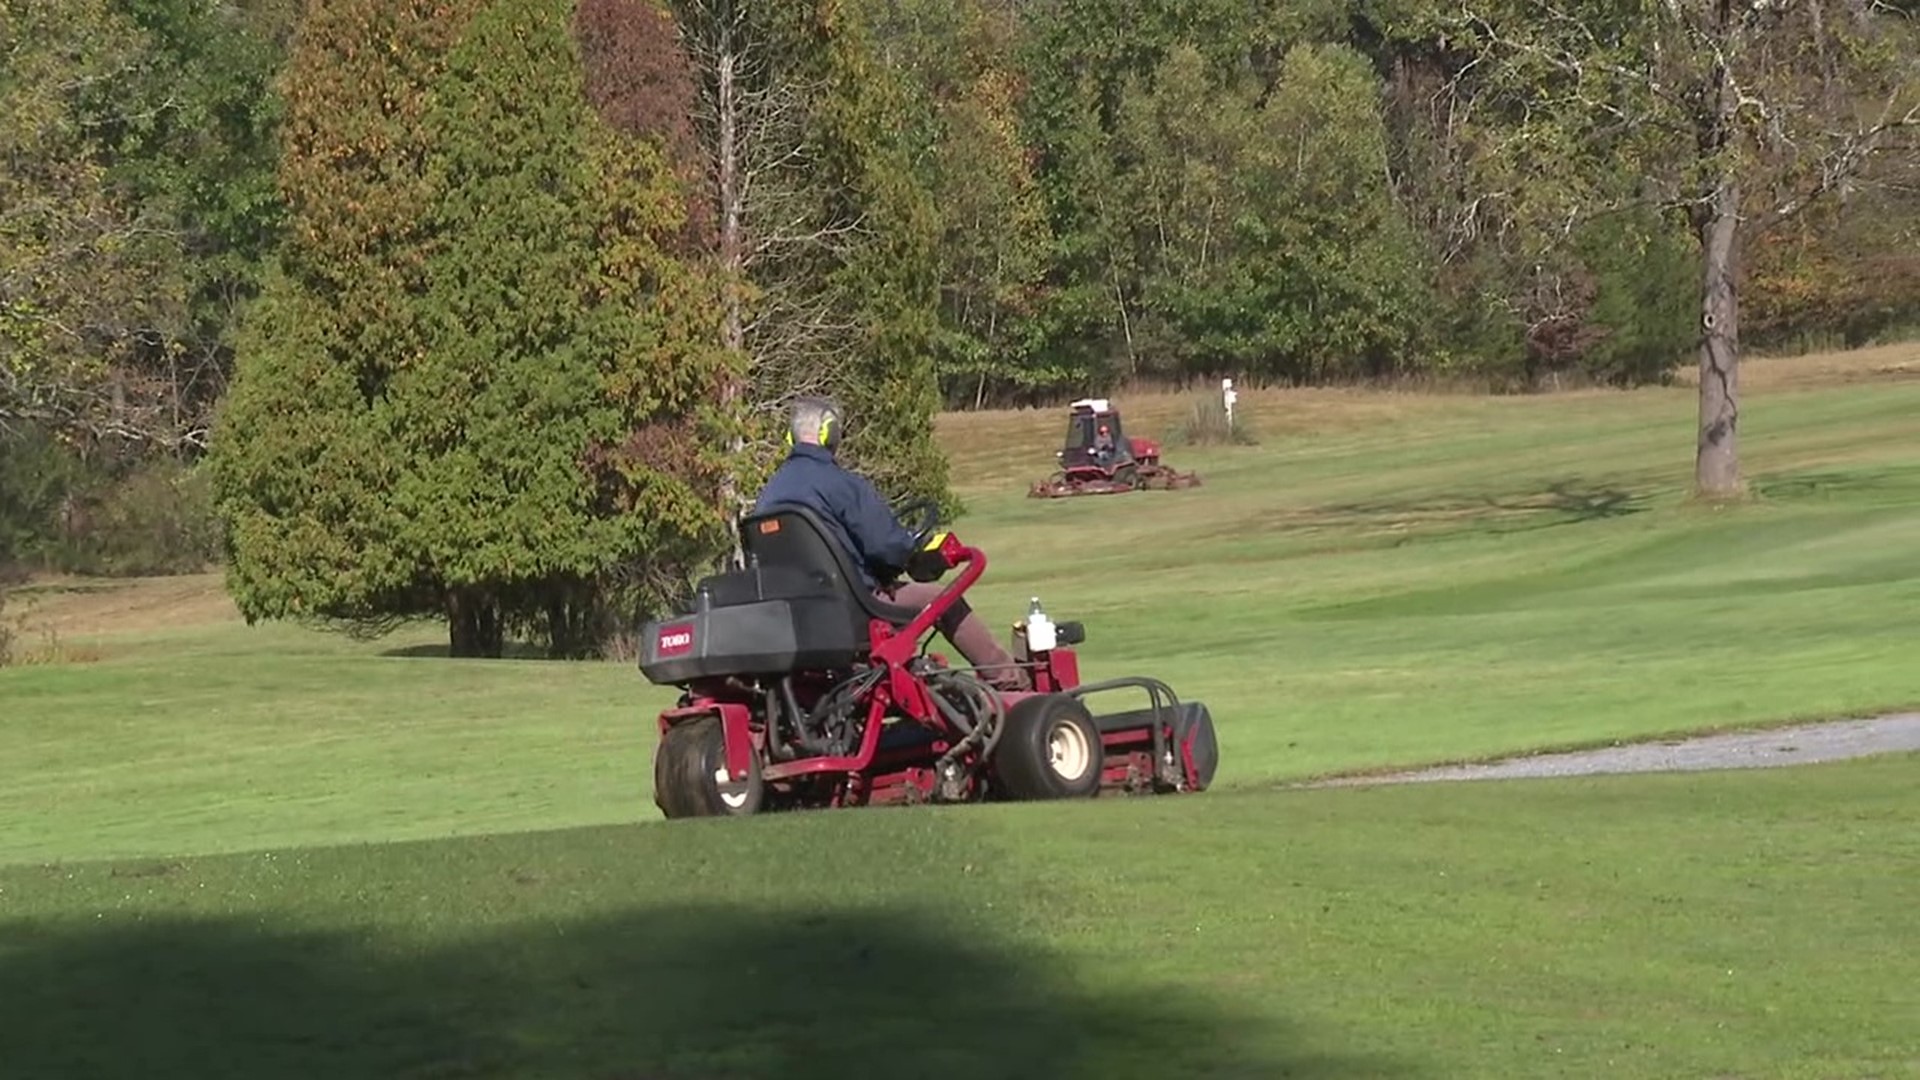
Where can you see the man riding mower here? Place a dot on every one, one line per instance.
(806, 682)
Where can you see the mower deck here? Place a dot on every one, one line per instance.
(1065, 484)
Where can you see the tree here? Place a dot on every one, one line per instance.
(191, 138)
(1739, 115)
(136, 205)
(86, 271)
(1270, 244)
(822, 236)
(957, 67)
(483, 385)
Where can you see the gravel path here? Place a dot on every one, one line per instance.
(1742, 750)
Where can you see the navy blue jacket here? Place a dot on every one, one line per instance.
(849, 504)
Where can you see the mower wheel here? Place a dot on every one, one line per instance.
(690, 774)
(1050, 749)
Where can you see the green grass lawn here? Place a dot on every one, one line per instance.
(1386, 580)
(271, 853)
(1747, 925)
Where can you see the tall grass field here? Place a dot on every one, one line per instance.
(273, 852)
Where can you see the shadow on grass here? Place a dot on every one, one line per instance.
(1879, 485)
(1564, 502)
(660, 994)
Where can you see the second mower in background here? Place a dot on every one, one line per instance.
(1101, 459)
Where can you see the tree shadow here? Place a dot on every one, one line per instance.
(1563, 502)
(1865, 484)
(675, 993)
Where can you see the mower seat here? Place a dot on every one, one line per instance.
(794, 539)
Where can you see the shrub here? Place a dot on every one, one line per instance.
(1206, 424)
(157, 520)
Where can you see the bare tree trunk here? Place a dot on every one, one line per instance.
(733, 333)
(1717, 460)
(732, 260)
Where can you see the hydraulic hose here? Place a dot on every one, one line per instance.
(986, 735)
(831, 702)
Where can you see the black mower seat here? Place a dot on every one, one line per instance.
(794, 538)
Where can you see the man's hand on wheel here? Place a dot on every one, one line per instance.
(928, 564)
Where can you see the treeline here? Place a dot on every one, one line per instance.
(137, 211)
(1138, 190)
(485, 308)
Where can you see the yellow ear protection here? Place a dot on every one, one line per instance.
(828, 434)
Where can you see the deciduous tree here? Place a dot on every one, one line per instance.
(823, 235)
(1737, 113)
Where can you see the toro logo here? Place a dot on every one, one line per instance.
(675, 640)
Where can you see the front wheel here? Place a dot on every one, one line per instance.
(690, 774)
(1051, 749)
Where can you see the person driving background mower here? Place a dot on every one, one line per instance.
(866, 529)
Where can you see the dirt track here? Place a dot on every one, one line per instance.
(1801, 745)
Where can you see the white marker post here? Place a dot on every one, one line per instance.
(1228, 396)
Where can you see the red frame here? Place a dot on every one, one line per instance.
(905, 775)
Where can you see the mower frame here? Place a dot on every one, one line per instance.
(766, 700)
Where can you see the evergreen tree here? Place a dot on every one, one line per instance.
(518, 432)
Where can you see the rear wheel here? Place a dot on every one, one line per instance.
(1050, 749)
(690, 774)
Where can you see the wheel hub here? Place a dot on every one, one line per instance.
(1067, 751)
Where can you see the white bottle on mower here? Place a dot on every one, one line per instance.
(1042, 635)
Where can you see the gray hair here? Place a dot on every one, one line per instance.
(812, 415)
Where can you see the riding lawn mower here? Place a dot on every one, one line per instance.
(1099, 459)
(802, 690)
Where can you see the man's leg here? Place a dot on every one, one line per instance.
(969, 633)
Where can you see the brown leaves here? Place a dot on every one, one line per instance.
(639, 82)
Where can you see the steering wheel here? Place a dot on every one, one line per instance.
(929, 518)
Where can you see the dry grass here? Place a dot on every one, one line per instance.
(1814, 371)
(1002, 450)
(65, 609)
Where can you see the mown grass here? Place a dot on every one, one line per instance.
(1386, 580)
(1707, 925)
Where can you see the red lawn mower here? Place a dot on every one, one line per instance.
(803, 691)
(1099, 459)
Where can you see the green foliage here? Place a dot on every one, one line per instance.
(136, 206)
(101, 515)
(1644, 309)
(1273, 245)
(158, 519)
(889, 383)
(1555, 121)
(197, 143)
(38, 474)
(482, 386)
(83, 268)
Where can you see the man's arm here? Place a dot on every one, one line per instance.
(888, 543)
